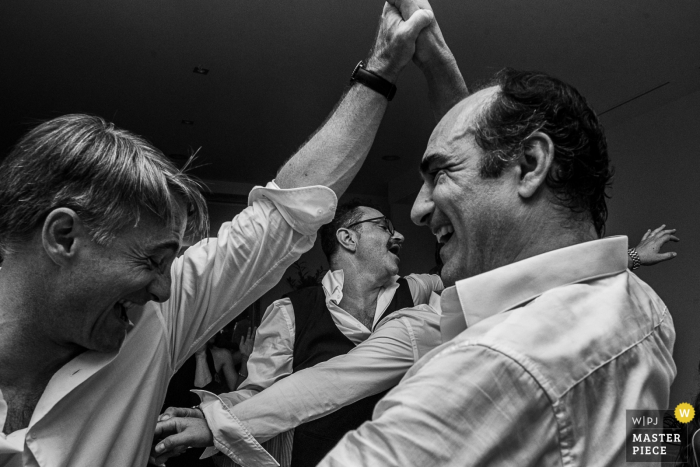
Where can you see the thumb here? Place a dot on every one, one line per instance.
(418, 21)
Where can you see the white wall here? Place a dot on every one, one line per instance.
(657, 157)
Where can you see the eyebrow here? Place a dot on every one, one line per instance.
(431, 160)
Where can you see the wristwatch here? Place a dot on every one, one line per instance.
(636, 260)
(373, 81)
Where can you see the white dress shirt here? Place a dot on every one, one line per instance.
(272, 355)
(558, 347)
(239, 422)
(100, 409)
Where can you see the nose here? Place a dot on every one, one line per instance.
(423, 206)
(397, 237)
(159, 288)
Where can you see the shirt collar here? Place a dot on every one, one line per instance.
(477, 298)
(332, 284)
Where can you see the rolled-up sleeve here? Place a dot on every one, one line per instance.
(370, 368)
(438, 416)
(218, 278)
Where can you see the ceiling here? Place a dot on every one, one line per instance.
(276, 68)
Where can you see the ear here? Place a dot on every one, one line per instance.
(61, 235)
(347, 239)
(535, 163)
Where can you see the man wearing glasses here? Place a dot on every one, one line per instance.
(306, 353)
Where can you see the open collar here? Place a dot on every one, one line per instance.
(477, 298)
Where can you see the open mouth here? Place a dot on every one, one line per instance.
(122, 307)
(395, 249)
(444, 234)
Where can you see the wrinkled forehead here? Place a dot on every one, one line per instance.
(460, 121)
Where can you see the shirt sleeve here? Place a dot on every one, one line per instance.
(273, 352)
(468, 405)
(370, 368)
(422, 286)
(218, 278)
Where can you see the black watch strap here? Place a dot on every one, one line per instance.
(373, 81)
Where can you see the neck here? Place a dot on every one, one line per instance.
(28, 358)
(546, 233)
(360, 292)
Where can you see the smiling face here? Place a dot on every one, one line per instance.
(105, 281)
(377, 250)
(468, 214)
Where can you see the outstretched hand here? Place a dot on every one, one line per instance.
(247, 343)
(396, 41)
(652, 241)
(178, 429)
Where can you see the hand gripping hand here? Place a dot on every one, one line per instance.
(395, 43)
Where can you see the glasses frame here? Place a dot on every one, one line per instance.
(389, 226)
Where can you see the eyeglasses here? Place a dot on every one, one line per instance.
(388, 226)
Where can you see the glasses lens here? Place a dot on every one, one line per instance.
(389, 226)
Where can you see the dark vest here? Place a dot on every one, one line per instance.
(316, 340)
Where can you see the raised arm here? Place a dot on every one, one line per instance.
(446, 85)
(334, 154)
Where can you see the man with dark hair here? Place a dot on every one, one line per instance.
(549, 338)
(300, 335)
(96, 312)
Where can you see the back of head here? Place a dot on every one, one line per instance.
(107, 175)
(531, 101)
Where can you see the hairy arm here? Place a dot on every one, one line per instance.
(334, 154)
(446, 86)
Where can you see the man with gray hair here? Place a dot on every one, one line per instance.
(96, 311)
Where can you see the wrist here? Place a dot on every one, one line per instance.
(383, 68)
(432, 52)
(634, 256)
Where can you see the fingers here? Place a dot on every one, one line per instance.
(162, 458)
(665, 256)
(165, 428)
(172, 412)
(646, 235)
(418, 21)
(186, 432)
(406, 7)
(658, 229)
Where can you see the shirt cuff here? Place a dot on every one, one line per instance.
(230, 436)
(306, 209)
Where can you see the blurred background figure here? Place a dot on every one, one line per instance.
(219, 366)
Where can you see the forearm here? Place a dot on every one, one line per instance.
(446, 86)
(334, 154)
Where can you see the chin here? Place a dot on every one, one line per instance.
(452, 272)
